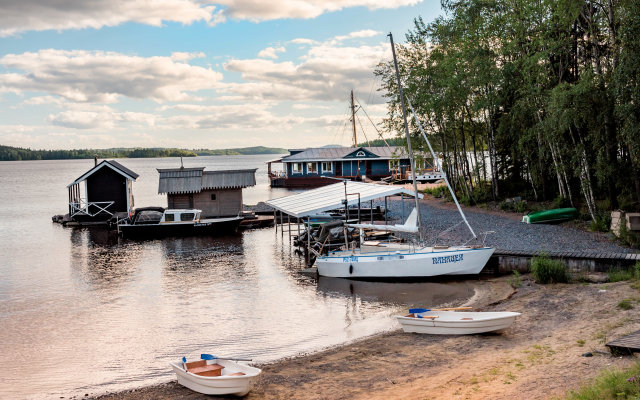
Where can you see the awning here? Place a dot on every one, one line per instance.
(331, 197)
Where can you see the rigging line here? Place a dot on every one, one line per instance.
(374, 125)
(363, 132)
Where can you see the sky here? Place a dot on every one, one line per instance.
(194, 74)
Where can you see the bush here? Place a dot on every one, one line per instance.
(515, 281)
(560, 202)
(618, 275)
(602, 223)
(518, 206)
(547, 270)
(627, 238)
(437, 192)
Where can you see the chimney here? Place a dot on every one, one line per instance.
(95, 160)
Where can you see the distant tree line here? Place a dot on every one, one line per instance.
(8, 153)
(536, 98)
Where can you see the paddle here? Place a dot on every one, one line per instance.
(184, 363)
(210, 357)
(422, 310)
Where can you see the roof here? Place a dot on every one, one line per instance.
(116, 166)
(331, 197)
(194, 180)
(339, 153)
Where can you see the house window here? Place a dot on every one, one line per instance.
(360, 154)
(394, 164)
(312, 168)
(297, 168)
(327, 167)
(213, 197)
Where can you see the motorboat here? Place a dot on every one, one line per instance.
(215, 376)
(152, 222)
(452, 322)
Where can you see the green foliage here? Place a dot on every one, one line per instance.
(611, 385)
(518, 206)
(515, 281)
(546, 270)
(618, 275)
(437, 192)
(601, 223)
(560, 202)
(628, 238)
(8, 153)
(625, 304)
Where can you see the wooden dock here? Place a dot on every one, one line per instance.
(571, 254)
(625, 345)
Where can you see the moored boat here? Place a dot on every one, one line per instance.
(153, 222)
(445, 322)
(548, 216)
(215, 376)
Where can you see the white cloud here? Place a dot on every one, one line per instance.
(84, 76)
(182, 56)
(40, 15)
(271, 52)
(366, 33)
(105, 119)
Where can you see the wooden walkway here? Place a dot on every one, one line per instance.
(626, 344)
(590, 255)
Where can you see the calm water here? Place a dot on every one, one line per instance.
(82, 311)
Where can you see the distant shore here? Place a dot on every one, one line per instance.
(539, 357)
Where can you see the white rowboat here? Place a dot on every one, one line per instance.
(217, 377)
(456, 323)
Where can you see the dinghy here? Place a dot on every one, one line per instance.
(448, 321)
(217, 376)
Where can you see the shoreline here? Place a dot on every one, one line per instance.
(538, 357)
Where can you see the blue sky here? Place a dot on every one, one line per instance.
(189, 74)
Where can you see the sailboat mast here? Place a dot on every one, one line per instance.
(406, 131)
(353, 121)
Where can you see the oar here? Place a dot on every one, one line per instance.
(184, 363)
(210, 357)
(422, 310)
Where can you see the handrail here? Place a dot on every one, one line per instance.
(82, 207)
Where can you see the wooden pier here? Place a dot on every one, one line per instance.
(625, 345)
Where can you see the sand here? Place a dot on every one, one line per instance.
(539, 357)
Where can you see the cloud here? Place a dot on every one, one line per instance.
(259, 10)
(325, 73)
(84, 76)
(271, 52)
(41, 15)
(84, 119)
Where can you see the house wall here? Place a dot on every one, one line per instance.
(107, 185)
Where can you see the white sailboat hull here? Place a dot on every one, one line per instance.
(458, 323)
(404, 264)
(219, 385)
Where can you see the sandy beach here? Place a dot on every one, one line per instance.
(539, 357)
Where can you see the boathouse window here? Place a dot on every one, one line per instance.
(394, 164)
(360, 154)
(312, 168)
(297, 168)
(187, 217)
(213, 197)
(169, 217)
(327, 167)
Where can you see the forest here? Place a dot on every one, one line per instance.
(531, 98)
(8, 153)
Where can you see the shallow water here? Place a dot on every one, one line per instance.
(82, 311)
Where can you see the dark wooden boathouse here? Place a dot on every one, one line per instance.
(216, 193)
(102, 192)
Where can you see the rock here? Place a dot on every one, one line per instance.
(587, 354)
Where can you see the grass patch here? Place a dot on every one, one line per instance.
(515, 281)
(547, 270)
(618, 275)
(610, 385)
(625, 304)
(581, 342)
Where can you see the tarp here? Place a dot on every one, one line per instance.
(331, 197)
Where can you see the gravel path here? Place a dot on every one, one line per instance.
(510, 233)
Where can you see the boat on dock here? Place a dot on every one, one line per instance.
(215, 376)
(157, 222)
(452, 321)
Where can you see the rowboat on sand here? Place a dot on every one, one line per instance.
(215, 376)
(448, 321)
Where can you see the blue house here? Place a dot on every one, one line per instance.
(307, 167)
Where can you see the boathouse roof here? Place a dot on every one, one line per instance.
(194, 180)
(331, 197)
(346, 153)
(116, 166)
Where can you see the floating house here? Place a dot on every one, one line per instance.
(307, 167)
(101, 193)
(216, 193)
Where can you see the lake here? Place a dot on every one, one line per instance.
(84, 311)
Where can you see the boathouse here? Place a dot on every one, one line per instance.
(102, 192)
(216, 193)
(307, 167)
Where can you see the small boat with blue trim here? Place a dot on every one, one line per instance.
(455, 321)
(215, 375)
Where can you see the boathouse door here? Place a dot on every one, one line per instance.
(181, 201)
(338, 168)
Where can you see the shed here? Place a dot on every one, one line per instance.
(216, 193)
(101, 192)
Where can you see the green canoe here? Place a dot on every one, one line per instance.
(555, 215)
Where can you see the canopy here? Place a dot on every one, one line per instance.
(331, 197)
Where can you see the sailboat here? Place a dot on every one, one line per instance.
(375, 259)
